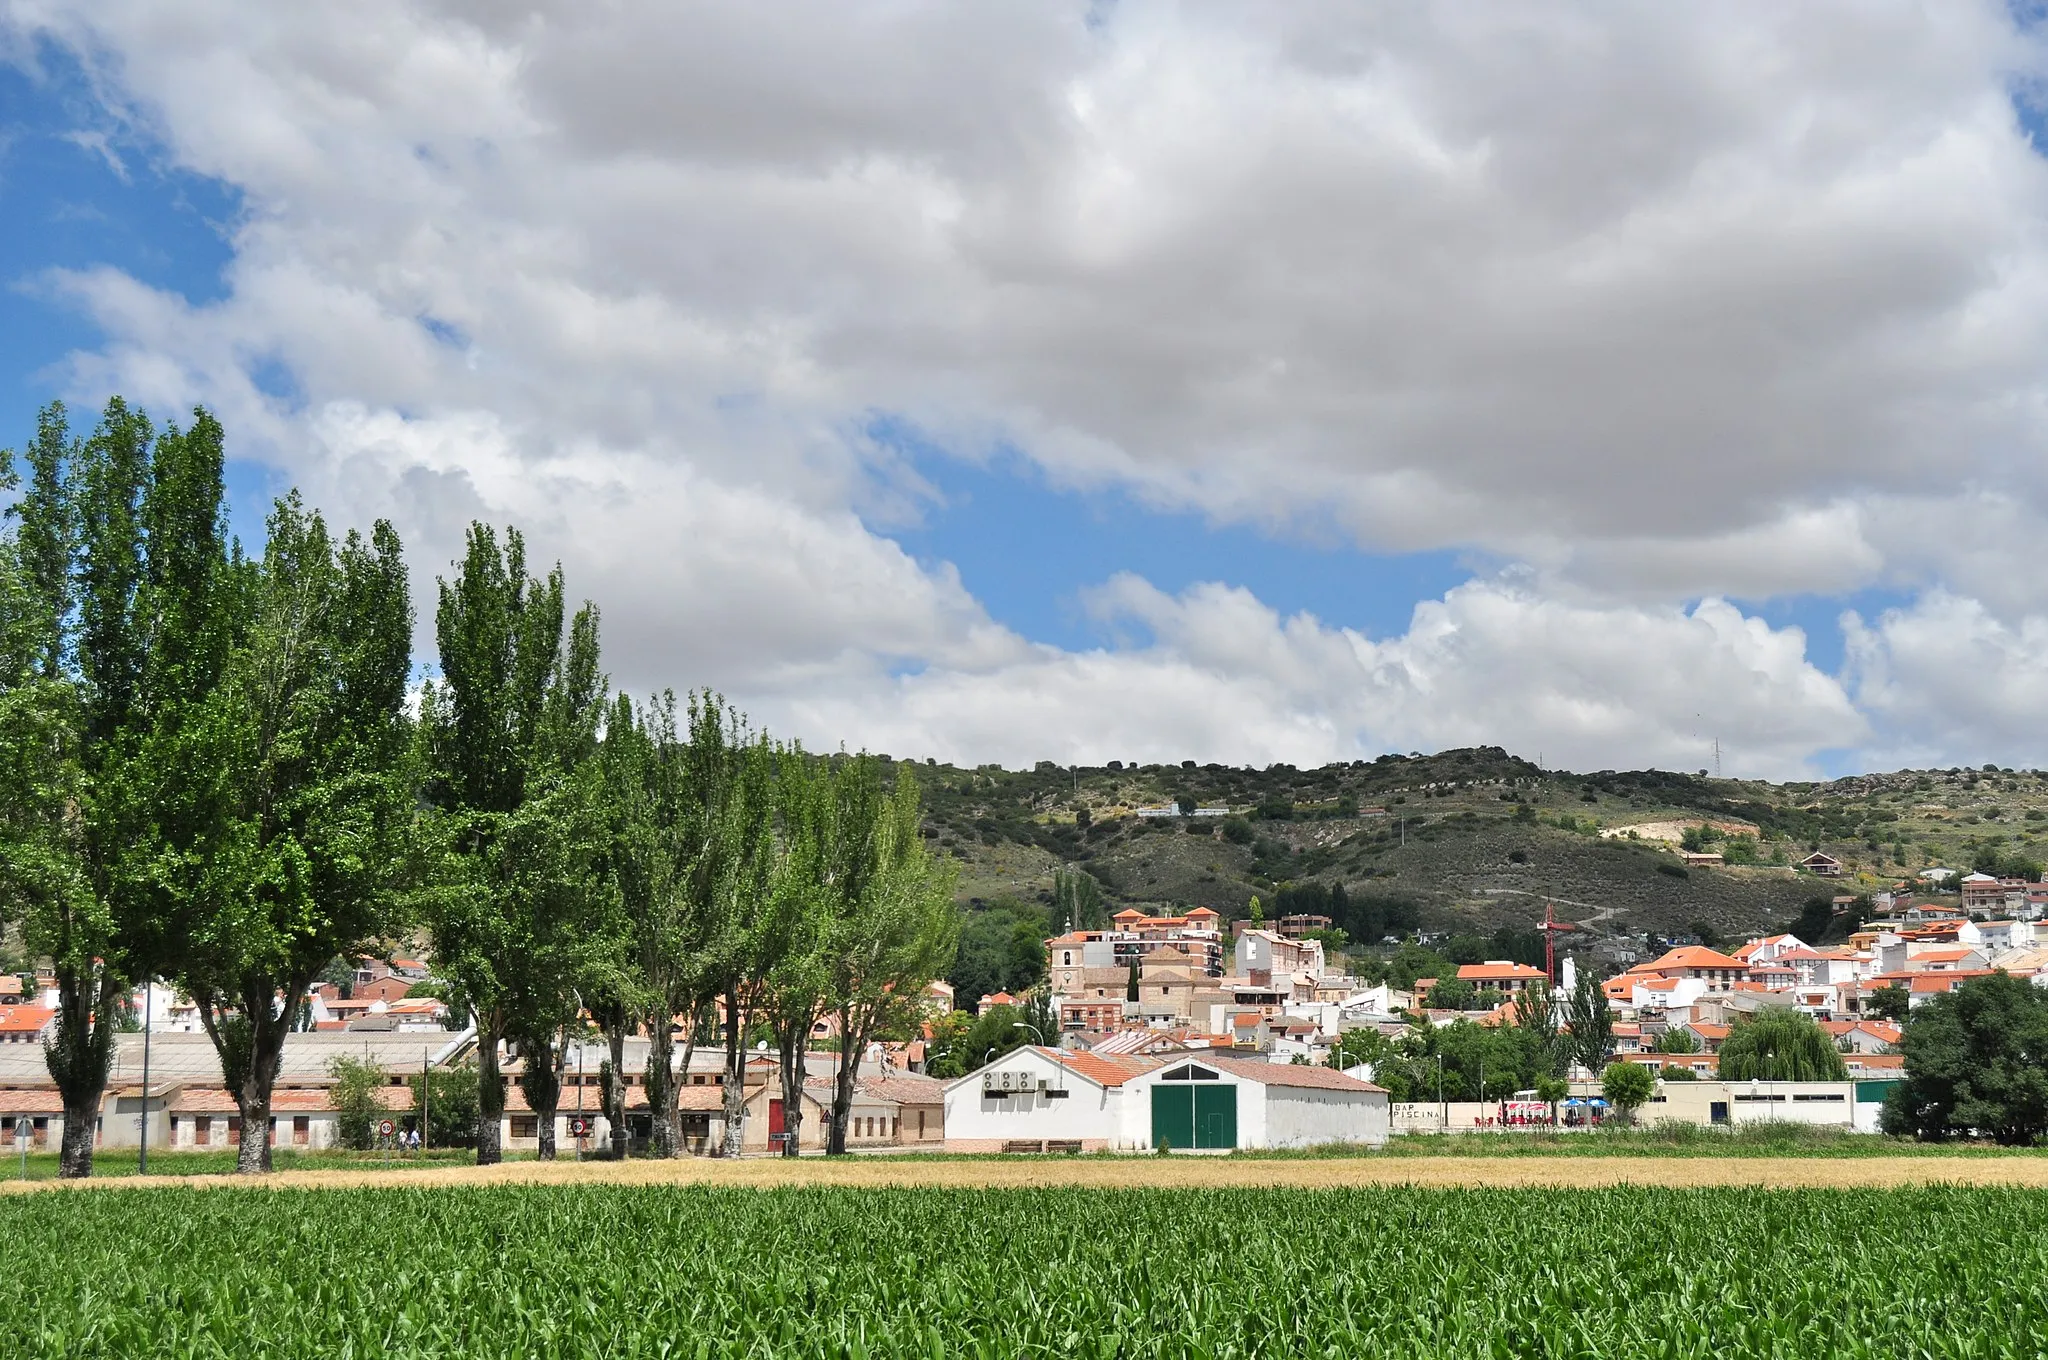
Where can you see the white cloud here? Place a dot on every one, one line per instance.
(1950, 683)
(1224, 677)
(1666, 303)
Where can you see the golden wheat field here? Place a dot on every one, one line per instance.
(1188, 1173)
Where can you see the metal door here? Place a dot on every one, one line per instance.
(1173, 1116)
(1215, 1116)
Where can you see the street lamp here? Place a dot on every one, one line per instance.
(1020, 1024)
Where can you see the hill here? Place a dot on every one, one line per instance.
(1472, 840)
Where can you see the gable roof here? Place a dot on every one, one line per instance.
(1694, 956)
(1497, 972)
(1110, 1070)
(1286, 1074)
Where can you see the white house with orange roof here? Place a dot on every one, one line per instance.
(1037, 1099)
(1765, 948)
(1501, 975)
(26, 1024)
(1264, 956)
(1715, 971)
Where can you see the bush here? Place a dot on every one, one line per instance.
(452, 1105)
(356, 1104)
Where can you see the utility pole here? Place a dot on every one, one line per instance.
(148, 1016)
(426, 1102)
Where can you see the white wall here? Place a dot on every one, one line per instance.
(1088, 1113)
(1303, 1116)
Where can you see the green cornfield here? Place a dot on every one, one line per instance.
(620, 1272)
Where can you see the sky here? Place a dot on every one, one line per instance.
(1115, 380)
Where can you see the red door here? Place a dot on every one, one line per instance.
(775, 1124)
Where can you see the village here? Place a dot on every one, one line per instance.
(1174, 1033)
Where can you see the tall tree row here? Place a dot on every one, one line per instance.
(210, 772)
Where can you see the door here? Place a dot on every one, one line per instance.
(776, 1126)
(1215, 1116)
(1717, 1112)
(1173, 1116)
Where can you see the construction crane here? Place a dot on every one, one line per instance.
(1552, 928)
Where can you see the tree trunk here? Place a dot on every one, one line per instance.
(81, 1123)
(791, 1041)
(490, 1102)
(614, 1093)
(544, 1097)
(660, 1081)
(735, 1074)
(252, 1158)
(266, 1060)
(852, 1039)
(78, 1057)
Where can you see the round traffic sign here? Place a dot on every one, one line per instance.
(386, 1127)
(578, 1127)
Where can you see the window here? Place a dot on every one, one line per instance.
(525, 1126)
(302, 1129)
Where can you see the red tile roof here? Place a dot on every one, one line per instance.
(1287, 1074)
(25, 1019)
(1497, 972)
(1103, 1071)
(1694, 956)
(34, 1100)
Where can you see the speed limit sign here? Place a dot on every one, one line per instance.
(386, 1128)
(578, 1127)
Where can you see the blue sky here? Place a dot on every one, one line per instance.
(76, 192)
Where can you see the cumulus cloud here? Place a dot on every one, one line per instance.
(1219, 675)
(1667, 304)
(1950, 682)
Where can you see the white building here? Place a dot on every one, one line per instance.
(1044, 1100)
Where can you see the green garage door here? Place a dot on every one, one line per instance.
(1215, 1116)
(1173, 1116)
(1194, 1116)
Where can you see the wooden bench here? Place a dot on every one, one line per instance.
(1023, 1145)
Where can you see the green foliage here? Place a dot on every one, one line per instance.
(354, 1096)
(1452, 993)
(1673, 1072)
(112, 604)
(1678, 1039)
(1589, 1023)
(1976, 1063)
(1890, 1002)
(491, 1271)
(1002, 949)
(1627, 1086)
(508, 736)
(1779, 1043)
(449, 1098)
(285, 794)
(1077, 899)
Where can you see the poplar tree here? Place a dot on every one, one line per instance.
(505, 729)
(115, 568)
(900, 931)
(285, 793)
(803, 904)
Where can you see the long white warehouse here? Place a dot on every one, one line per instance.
(1048, 1100)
